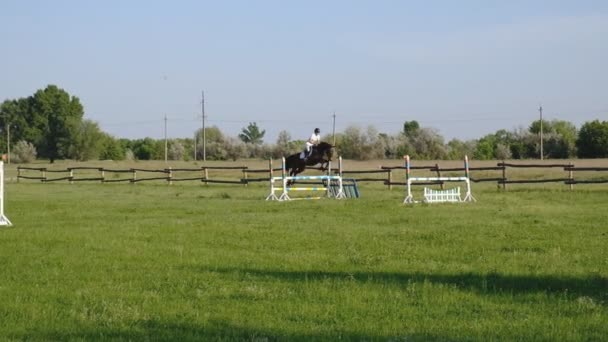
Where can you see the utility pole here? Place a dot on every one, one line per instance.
(540, 110)
(165, 138)
(333, 131)
(203, 128)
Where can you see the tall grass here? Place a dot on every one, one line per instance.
(189, 262)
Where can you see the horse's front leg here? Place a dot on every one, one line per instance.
(291, 174)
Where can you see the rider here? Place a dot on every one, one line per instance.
(314, 140)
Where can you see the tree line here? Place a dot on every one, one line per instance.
(50, 124)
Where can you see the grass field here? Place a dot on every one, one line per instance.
(191, 262)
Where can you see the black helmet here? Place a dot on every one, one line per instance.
(317, 130)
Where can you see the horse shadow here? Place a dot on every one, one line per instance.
(591, 286)
(211, 330)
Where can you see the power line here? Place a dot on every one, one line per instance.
(362, 119)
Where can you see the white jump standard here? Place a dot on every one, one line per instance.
(439, 196)
(285, 188)
(4, 221)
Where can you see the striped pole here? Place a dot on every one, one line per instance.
(466, 166)
(328, 183)
(270, 167)
(408, 198)
(285, 195)
(407, 166)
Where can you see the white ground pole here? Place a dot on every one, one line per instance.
(4, 221)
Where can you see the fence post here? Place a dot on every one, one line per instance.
(390, 179)
(134, 176)
(571, 175)
(18, 173)
(170, 178)
(438, 174)
(504, 176)
(245, 176)
(71, 176)
(103, 175)
(43, 175)
(205, 175)
(270, 168)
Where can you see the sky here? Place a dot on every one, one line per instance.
(464, 68)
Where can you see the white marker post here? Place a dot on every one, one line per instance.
(4, 221)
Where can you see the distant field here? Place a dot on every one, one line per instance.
(123, 262)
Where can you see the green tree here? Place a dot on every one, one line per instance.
(390, 144)
(285, 145)
(214, 138)
(24, 123)
(176, 150)
(145, 149)
(523, 144)
(87, 142)
(592, 140)
(61, 117)
(111, 148)
(427, 143)
(457, 149)
(559, 138)
(356, 143)
(411, 128)
(485, 148)
(252, 134)
(212, 134)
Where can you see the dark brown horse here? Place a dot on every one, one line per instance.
(321, 154)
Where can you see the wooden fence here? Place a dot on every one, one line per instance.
(388, 175)
(170, 175)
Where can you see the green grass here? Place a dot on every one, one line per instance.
(189, 262)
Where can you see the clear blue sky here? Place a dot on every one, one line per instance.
(466, 68)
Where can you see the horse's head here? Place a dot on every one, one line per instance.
(326, 150)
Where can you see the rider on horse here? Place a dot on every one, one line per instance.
(314, 140)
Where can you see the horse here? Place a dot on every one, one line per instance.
(321, 153)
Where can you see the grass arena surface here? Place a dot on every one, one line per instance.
(193, 262)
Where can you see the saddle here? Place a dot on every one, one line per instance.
(312, 153)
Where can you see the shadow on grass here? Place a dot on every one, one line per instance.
(210, 331)
(595, 287)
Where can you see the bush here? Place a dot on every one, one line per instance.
(129, 155)
(23, 152)
(176, 150)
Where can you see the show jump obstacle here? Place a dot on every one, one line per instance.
(439, 196)
(4, 221)
(326, 185)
